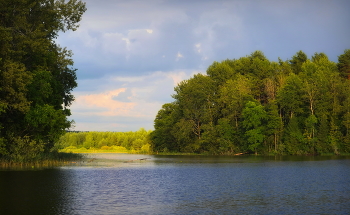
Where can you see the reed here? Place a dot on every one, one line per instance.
(46, 160)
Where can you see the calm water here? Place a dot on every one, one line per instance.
(121, 184)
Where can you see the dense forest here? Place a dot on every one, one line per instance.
(253, 105)
(93, 141)
(36, 75)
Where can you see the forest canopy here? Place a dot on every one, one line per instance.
(36, 75)
(254, 105)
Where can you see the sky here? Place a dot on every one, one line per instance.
(131, 54)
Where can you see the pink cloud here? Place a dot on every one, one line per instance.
(105, 104)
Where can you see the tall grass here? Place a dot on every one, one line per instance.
(43, 160)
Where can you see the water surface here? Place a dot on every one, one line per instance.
(145, 184)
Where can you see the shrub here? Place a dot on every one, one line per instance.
(106, 148)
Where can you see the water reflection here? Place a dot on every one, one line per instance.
(130, 184)
(34, 192)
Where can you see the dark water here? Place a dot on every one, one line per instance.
(121, 184)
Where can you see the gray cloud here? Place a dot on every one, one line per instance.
(120, 44)
(123, 96)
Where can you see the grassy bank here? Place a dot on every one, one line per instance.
(41, 161)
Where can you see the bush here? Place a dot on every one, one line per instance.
(106, 148)
(119, 149)
(146, 148)
(25, 149)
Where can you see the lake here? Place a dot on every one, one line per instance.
(154, 184)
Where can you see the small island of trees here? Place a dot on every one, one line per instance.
(252, 105)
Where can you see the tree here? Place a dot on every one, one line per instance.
(310, 127)
(232, 96)
(162, 137)
(318, 56)
(344, 64)
(196, 101)
(293, 139)
(289, 96)
(297, 61)
(185, 136)
(89, 140)
(346, 117)
(274, 124)
(227, 137)
(220, 72)
(254, 116)
(36, 75)
(321, 84)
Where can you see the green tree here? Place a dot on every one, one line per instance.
(274, 125)
(254, 116)
(36, 75)
(232, 96)
(185, 137)
(293, 139)
(164, 122)
(346, 117)
(220, 72)
(310, 124)
(344, 64)
(196, 101)
(289, 97)
(228, 143)
(297, 61)
(335, 137)
(89, 140)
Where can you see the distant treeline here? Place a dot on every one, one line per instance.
(253, 105)
(118, 141)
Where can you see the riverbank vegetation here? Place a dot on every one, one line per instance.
(36, 76)
(44, 160)
(105, 142)
(299, 106)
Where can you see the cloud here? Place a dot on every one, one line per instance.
(130, 54)
(113, 36)
(179, 56)
(105, 102)
(117, 99)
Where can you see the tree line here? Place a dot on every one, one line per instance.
(137, 141)
(36, 75)
(254, 105)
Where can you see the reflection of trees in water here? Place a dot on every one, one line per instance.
(35, 192)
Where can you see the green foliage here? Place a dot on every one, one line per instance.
(196, 102)
(254, 118)
(297, 61)
(251, 104)
(294, 142)
(84, 142)
(162, 137)
(226, 136)
(289, 96)
(273, 127)
(24, 149)
(344, 64)
(36, 75)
